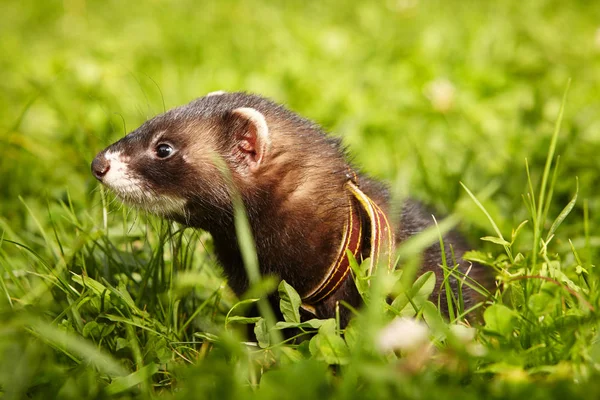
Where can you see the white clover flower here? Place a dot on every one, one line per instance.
(477, 349)
(441, 93)
(463, 333)
(404, 334)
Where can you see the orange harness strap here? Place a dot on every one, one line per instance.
(382, 241)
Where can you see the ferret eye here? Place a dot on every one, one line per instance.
(164, 150)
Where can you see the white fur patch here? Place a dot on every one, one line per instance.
(165, 205)
(130, 188)
(118, 176)
(216, 93)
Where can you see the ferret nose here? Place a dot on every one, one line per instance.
(100, 166)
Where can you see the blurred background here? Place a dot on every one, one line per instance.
(425, 93)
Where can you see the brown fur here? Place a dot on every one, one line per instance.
(295, 197)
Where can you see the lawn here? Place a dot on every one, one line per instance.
(486, 111)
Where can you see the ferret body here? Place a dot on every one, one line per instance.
(291, 178)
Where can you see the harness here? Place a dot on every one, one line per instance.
(381, 242)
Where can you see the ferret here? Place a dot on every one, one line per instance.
(293, 180)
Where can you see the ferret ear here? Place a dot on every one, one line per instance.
(253, 140)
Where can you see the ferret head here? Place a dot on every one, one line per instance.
(185, 164)
(190, 155)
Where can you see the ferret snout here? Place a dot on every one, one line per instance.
(100, 166)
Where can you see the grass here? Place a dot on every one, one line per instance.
(99, 301)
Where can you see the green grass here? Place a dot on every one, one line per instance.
(100, 301)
